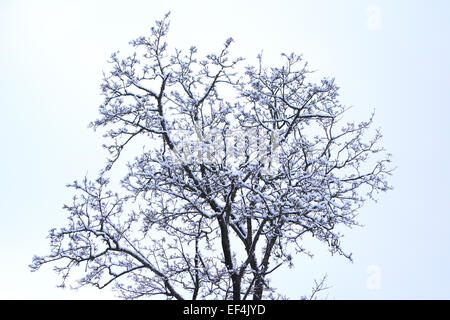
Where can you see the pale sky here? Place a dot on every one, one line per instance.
(391, 56)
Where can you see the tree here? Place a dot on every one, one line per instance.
(238, 166)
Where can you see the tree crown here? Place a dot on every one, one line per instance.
(239, 166)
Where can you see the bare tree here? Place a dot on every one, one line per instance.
(238, 165)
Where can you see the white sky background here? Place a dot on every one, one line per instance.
(387, 55)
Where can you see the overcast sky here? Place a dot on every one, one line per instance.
(391, 56)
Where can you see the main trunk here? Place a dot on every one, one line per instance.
(259, 288)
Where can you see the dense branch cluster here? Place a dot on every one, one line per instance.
(238, 168)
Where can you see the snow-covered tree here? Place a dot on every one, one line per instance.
(236, 166)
